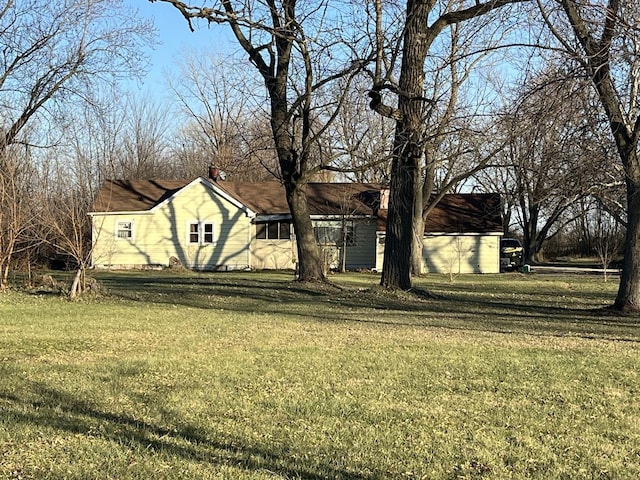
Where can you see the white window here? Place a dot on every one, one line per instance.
(200, 233)
(124, 230)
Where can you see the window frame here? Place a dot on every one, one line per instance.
(201, 232)
(266, 230)
(120, 228)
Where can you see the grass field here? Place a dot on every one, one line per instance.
(250, 376)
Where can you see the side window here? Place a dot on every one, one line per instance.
(201, 233)
(194, 232)
(124, 230)
(285, 230)
(208, 233)
(274, 230)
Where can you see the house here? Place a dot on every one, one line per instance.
(207, 224)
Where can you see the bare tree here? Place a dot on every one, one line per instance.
(552, 159)
(360, 139)
(602, 38)
(607, 236)
(64, 214)
(458, 139)
(298, 54)
(16, 215)
(54, 55)
(145, 139)
(224, 125)
(424, 22)
(54, 50)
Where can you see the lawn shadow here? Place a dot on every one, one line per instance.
(459, 307)
(61, 411)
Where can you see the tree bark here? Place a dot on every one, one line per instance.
(628, 297)
(407, 151)
(396, 267)
(309, 261)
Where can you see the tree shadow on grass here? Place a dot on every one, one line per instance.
(535, 313)
(61, 411)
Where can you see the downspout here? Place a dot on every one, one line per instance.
(249, 245)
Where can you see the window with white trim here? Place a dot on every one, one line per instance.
(124, 230)
(201, 233)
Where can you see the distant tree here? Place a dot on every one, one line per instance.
(16, 213)
(223, 124)
(145, 139)
(551, 161)
(608, 237)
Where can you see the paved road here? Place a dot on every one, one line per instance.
(572, 269)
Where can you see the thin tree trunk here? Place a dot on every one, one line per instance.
(417, 262)
(78, 286)
(4, 275)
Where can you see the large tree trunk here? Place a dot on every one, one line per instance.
(628, 297)
(407, 152)
(396, 267)
(293, 167)
(309, 261)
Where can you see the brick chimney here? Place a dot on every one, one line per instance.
(214, 172)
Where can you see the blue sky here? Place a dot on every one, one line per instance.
(174, 41)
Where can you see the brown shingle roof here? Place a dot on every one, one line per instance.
(323, 198)
(460, 213)
(455, 213)
(266, 198)
(134, 195)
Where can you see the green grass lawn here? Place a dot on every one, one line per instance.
(250, 376)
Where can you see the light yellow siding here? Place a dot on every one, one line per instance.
(453, 254)
(461, 254)
(270, 254)
(282, 254)
(161, 235)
